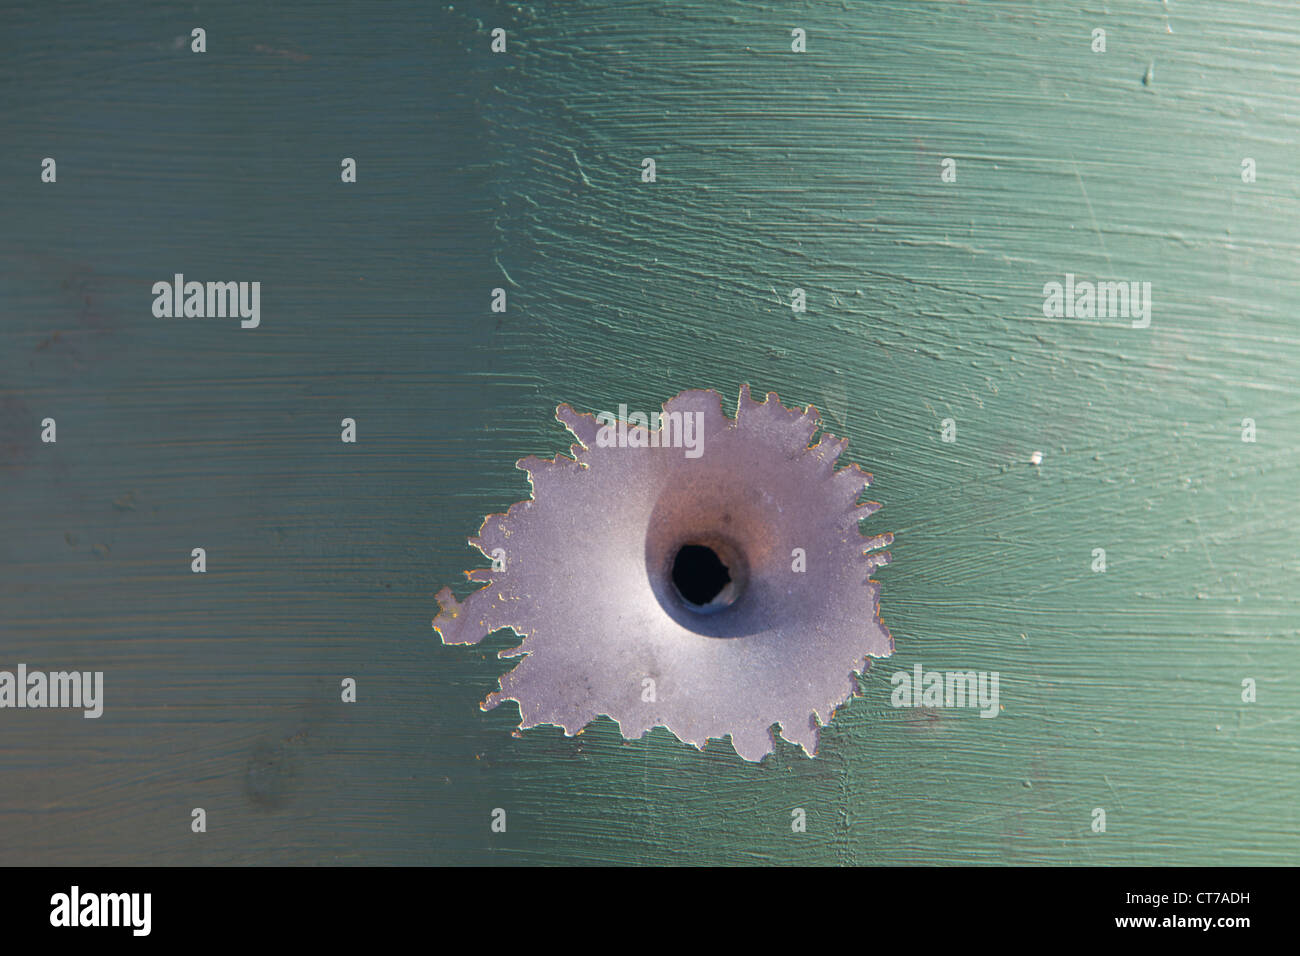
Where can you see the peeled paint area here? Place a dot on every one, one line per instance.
(588, 581)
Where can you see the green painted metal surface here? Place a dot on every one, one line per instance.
(775, 170)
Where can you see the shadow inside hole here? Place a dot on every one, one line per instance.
(702, 580)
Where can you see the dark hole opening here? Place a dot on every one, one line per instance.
(698, 574)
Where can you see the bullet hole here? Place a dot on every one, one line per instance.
(693, 584)
(700, 576)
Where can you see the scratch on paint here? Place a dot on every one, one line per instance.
(506, 274)
(1092, 215)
